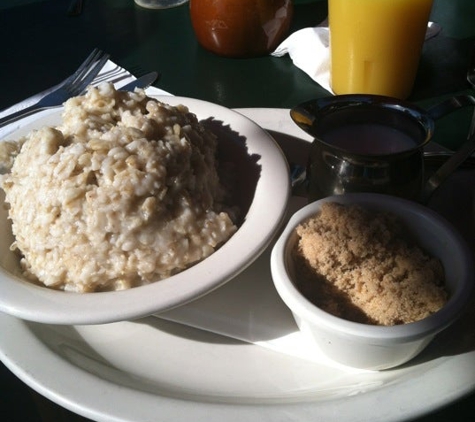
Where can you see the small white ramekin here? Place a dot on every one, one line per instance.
(370, 346)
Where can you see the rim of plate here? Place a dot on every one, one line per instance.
(397, 393)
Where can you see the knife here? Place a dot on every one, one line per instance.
(141, 82)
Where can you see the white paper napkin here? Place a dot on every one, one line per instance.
(111, 72)
(309, 50)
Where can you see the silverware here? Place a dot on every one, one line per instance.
(141, 82)
(70, 87)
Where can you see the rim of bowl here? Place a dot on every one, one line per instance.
(430, 325)
(41, 304)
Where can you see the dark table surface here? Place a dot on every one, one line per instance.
(41, 45)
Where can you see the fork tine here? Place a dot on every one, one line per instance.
(82, 83)
(93, 73)
(84, 65)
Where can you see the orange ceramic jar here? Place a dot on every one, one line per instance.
(241, 28)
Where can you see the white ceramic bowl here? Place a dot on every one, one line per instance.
(264, 189)
(370, 346)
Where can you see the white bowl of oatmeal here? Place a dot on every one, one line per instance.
(371, 278)
(122, 206)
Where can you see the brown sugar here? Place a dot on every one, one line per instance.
(361, 265)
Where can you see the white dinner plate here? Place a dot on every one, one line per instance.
(263, 191)
(156, 370)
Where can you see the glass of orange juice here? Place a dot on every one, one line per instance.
(375, 45)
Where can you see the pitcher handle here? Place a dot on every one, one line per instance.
(465, 151)
(449, 105)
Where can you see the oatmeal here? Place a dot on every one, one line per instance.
(124, 192)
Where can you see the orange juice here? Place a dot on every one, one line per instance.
(376, 45)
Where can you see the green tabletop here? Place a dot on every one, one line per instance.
(41, 44)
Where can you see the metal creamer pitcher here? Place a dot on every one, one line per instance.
(370, 143)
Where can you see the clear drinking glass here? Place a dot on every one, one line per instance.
(160, 4)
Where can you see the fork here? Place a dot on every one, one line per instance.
(73, 85)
